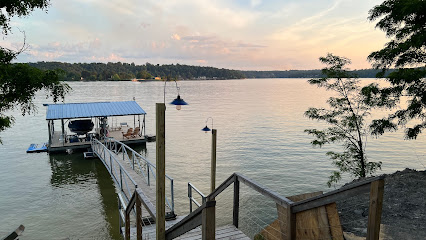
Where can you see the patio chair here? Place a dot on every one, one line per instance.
(128, 134)
(136, 132)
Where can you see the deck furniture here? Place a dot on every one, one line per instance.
(136, 132)
(128, 134)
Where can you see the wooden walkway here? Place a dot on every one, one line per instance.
(223, 232)
(127, 179)
(115, 162)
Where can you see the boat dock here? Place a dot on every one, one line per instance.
(79, 122)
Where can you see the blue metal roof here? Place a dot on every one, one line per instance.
(94, 109)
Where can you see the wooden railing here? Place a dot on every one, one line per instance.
(136, 201)
(373, 185)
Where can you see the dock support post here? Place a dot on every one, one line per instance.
(375, 210)
(236, 207)
(160, 171)
(213, 161)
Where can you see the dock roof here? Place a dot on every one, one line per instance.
(93, 109)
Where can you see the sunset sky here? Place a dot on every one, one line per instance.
(235, 34)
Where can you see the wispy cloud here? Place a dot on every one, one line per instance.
(251, 34)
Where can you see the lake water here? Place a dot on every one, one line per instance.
(260, 127)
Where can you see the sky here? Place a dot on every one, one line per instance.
(233, 34)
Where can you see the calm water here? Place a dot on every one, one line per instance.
(260, 134)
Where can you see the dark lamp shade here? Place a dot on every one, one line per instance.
(178, 101)
(205, 129)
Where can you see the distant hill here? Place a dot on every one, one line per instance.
(363, 73)
(126, 71)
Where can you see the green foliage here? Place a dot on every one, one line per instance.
(144, 74)
(361, 73)
(116, 77)
(10, 8)
(19, 82)
(104, 72)
(346, 117)
(404, 22)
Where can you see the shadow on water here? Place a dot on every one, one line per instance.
(68, 169)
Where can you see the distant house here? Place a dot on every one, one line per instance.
(157, 78)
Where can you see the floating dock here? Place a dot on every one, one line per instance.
(65, 138)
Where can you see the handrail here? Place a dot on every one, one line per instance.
(254, 185)
(150, 167)
(188, 223)
(375, 185)
(335, 195)
(137, 200)
(97, 144)
(191, 199)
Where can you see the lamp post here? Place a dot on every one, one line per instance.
(209, 224)
(161, 162)
(213, 155)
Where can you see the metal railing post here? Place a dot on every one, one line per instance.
(236, 207)
(148, 168)
(190, 197)
(172, 195)
(121, 180)
(133, 160)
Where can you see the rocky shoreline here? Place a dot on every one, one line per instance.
(404, 208)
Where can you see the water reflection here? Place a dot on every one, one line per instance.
(73, 169)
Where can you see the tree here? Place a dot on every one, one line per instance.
(115, 77)
(346, 117)
(20, 82)
(404, 23)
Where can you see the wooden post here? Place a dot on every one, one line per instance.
(138, 218)
(236, 207)
(208, 227)
(291, 224)
(213, 161)
(375, 211)
(127, 226)
(160, 171)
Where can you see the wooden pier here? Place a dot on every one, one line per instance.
(311, 216)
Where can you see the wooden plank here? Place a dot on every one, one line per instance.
(325, 199)
(310, 224)
(375, 210)
(334, 221)
(223, 232)
(336, 195)
(160, 171)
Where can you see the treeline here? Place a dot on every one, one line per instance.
(362, 73)
(127, 71)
